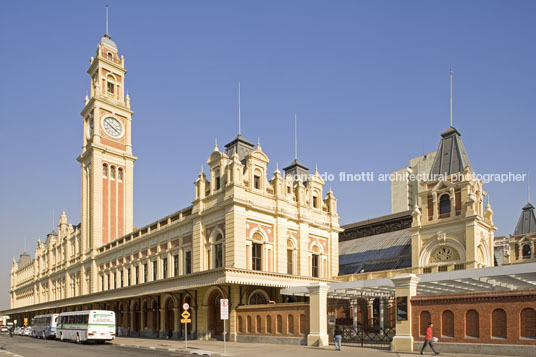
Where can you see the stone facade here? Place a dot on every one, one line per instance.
(244, 232)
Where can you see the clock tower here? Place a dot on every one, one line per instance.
(106, 161)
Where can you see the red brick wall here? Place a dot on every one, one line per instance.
(287, 320)
(486, 305)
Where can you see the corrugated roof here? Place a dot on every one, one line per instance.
(375, 253)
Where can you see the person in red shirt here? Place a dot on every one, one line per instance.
(429, 339)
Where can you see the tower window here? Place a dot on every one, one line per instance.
(315, 202)
(110, 56)
(110, 87)
(120, 174)
(112, 172)
(257, 182)
(217, 180)
(104, 170)
(288, 189)
(444, 204)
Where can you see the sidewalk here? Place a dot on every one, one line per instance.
(215, 349)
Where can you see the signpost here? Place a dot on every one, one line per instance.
(224, 315)
(185, 319)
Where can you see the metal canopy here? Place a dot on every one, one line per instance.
(502, 278)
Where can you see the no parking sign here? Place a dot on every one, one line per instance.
(224, 309)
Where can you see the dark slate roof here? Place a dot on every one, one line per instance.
(240, 146)
(451, 156)
(297, 170)
(527, 222)
(378, 252)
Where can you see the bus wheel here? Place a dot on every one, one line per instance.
(77, 338)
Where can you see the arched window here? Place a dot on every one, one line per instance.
(472, 324)
(120, 174)
(259, 324)
(256, 256)
(110, 56)
(240, 324)
(248, 324)
(104, 170)
(112, 172)
(303, 327)
(526, 251)
(290, 257)
(528, 323)
(447, 324)
(279, 324)
(268, 324)
(290, 324)
(257, 298)
(110, 84)
(444, 204)
(498, 324)
(424, 320)
(315, 262)
(218, 251)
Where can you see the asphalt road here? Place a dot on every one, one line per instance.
(31, 347)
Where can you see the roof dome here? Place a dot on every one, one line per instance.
(107, 40)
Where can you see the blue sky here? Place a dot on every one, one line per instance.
(368, 80)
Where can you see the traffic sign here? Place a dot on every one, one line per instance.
(186, 321)
(185, 314)
(224, 309)
(185, 306)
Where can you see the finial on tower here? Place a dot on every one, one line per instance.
(216, 144)
(107, 34)
(295, 138)
(528, 185)
(239, 108)
(450, 96)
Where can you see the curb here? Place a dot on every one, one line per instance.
(175, 351)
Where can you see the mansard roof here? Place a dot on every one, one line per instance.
(107, 40)
(451, 156)
(527, 221)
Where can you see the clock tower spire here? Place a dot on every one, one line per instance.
(106, 161)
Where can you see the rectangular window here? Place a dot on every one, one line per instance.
(164, 268)
(315, 266)
(102, 282)
(110, 87)
(175, 265)
(188, 262)
(315, 202)
(290, 258)
(155, 270)
(115, 279)
(137, 274)
(217, 183)
(256, 256)
(121, 279)
(145, 273)
(257, 182)
(218, 251)
(128, 277)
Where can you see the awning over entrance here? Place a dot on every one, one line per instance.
(502, 278)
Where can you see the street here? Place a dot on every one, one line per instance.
(30, 347)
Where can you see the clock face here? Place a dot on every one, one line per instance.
(112, 127)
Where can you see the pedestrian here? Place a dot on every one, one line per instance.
(429, 339)
(338, 338)
(118, 330)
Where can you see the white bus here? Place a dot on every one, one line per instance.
(82, 326)
(44, 326)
